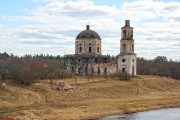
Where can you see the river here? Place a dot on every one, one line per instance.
(161, 114)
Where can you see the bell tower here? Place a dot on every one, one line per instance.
(127, 57)
(127, 41)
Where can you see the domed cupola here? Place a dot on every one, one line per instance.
(88, 42)
(88, 34)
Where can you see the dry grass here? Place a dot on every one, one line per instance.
(90, 99)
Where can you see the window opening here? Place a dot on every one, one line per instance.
(80, 49)
(90, 49)
(124, 33)
(98, 49)
(105, 70)
(124, 48)
(123, 70)
(133, 47)
(99, 71)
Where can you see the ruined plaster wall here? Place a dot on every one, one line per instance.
(129, 64)
(69, 66)
(111, 68)
(85, 43)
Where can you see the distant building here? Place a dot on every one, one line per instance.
(88, 59)
(39, 64)
(5, 71)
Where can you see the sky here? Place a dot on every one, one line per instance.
(51, 26)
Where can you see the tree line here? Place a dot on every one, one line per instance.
(35, 56)
(25, 69)
(159, 66)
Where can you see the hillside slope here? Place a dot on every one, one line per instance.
(90, 99)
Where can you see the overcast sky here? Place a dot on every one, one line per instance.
(51, 26)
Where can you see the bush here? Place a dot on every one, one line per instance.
(121, 76)
(26, 77)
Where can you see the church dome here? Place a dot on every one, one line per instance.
(88, 34)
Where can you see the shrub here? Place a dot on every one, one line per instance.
(120, 76)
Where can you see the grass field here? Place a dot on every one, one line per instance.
(90, 99)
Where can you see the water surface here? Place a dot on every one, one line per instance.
(161, 114)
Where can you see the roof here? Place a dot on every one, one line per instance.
(38, 64)
(88, 34)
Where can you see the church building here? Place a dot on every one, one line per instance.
(88, 59)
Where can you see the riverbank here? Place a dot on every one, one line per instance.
(91, 98)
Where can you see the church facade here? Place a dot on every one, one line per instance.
(88, 59)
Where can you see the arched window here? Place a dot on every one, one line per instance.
(124, 48)
(80, 49)
(92, 70)
(90, 49)
(124, 33)
(132, 70)
(131, 34)
(72, 69)
(123, 60)
(98, 49)
(123, 70)
(105, 70)
(96, 60)
(79, 70)
(99, 71)
(133, 47)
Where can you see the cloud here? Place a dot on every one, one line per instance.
(53, 27)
